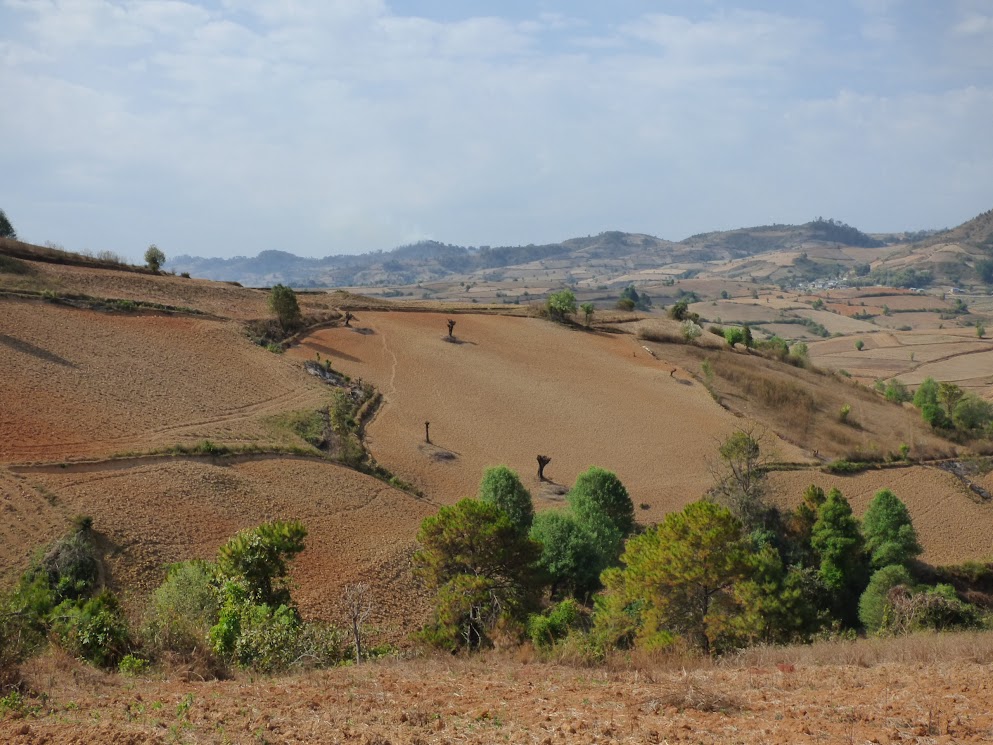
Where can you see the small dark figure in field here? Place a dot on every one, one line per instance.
(348, 319)
(543, 460)
(451, 328)
(427, 432)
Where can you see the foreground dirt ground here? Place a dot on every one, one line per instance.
(901, 691)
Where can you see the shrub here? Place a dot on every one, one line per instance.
(556, 623)
(132, 666)
(182, 609)
(588, 310)
(843, 414)
(690, 330)
(734, 335)
(938, 608)
(872, 603)
(897, 392)
(93, 629)
(859, 344)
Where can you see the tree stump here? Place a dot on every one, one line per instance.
(427, 432)
(543, 460)
(451, 328)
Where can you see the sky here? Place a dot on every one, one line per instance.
(320, 127)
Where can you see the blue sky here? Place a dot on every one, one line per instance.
(233, 126)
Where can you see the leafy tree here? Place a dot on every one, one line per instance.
(154, 258)
(642, 301)
(972, 413)
(502, 488)
(926, 393)
(482, 570)
(889, 533)
(949, 395)
(571, 556)
(738, 477)
(734, 335)
(836, 539)
(684, 577)
(597, 494)
(588, 310)
(259, 559)
(680, 310)
(872, 603)
(561, 304)
(690, 330)
(859, 344)
(6, 229)
(283, 302)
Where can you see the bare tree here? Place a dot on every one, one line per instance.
(738, 476)
(359, 605)
(543, 460)
(348, 319)
(451, 328)
(427, 432)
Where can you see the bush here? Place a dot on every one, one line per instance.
(556, 623)
(182, 609)
(93, 629)
(843, 414)
(690, 330)
(873, 602)
(859, 344)
(132, 666)
(734, 335)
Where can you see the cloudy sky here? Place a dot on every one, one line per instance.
(337, 126)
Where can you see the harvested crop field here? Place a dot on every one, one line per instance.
(82, 383)
(954, 525)
(514, 388)
(148, 513)
(920, 690)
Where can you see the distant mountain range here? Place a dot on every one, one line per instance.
(610, 255)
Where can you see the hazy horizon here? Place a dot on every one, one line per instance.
(232, 127)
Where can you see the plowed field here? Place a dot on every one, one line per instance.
(513, 388)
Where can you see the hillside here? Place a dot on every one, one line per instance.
(608, 255)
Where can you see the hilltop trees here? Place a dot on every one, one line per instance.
(6, 229)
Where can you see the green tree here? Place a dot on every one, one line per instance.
(896, 392)
(503, 488)
(837, 541)
(889, 533)
(984, 268)
(588, 310)
(738, 477)
(734, 335)
(972, 414)
(154, 258)
(183, 608)
(872, 603)
(6, 229)
(949, 395)
(283, 302)
(482, 570)
(926, 393)
(680, 310)
(259, 559)
(683, 578)
(859, 344)
(598, 493)
(571, 557)
(561, 304)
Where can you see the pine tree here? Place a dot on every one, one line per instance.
(503, 488)
(838, 543)
(890, 537)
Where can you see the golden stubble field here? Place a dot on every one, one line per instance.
(513, 388)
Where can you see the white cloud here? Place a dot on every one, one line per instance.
(974, 25)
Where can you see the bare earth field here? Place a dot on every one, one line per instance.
(149, 513)
(952, 524)
(920, 690)
(81, 383)
(516, 387)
